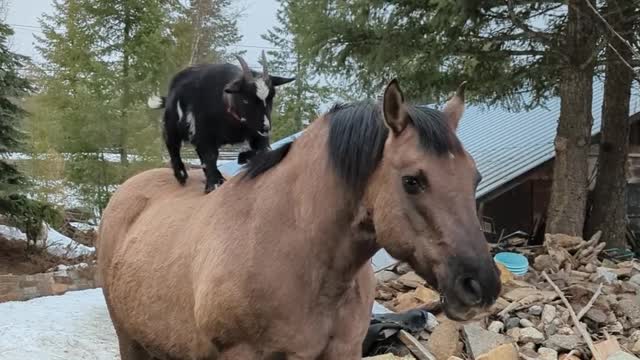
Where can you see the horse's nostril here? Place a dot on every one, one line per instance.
(472, 290)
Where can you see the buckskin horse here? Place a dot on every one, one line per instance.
(274, 264)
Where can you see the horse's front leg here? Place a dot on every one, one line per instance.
(258, 144)
(353, 319)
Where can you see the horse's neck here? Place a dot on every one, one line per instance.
(338, 230)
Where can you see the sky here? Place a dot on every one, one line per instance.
(259, 16)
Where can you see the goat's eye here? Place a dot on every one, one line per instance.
(412, 184)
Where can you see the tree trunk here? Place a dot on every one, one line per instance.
(608, 210)
(567, 205)
(126, 89)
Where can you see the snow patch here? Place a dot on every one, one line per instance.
(75, 325)
(11, 233)
(56, 243)
(61, 245)
(83, 226)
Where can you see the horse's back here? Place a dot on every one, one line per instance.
(143, 255)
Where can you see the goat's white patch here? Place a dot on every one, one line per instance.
(262, 90)
(155, 102)
(191, 121)
(267, 125)
(180, 112)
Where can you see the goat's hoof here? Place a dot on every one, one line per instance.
(181, 175)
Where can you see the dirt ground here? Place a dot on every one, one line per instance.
(15, 259)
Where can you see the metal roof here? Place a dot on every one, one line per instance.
(505, 144)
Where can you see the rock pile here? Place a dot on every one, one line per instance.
(537, 315)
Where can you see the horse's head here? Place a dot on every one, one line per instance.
(424, 207)
(252, 96)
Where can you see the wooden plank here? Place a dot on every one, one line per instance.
(415, 347)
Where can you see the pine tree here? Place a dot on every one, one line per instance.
(26, 213)
(298, 103)
(12, 88)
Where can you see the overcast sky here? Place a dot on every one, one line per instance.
(259, 16)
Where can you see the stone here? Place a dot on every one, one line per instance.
(550, 329)
(560, 342)
(596, 315)
(444, 340)
(529, 345)
(411, 280)
(432, 323)
(406, 301)
(520, 293)
(548, 313)
(514, 333)
(511, 323)
(635, 279)
(531, 334)
(635, 348)
(568, 357)
(480, 341)
(506, 276)
(526, 323)
(565, 330)
(529, 354)
(542, 262)
(386, 276)
(608, 275)
(496, 327)
(547, 354)
(630, 308)
(535, 310)
(502, 352)
(426, 295)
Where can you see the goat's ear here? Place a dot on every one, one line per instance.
(395, 115)
(233, 87)
(278, 80)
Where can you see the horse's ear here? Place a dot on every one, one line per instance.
(454, 108)
(233, 87)
(395, 115)
(278, 80)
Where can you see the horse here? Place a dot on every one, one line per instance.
(211, 105)
(274, 264)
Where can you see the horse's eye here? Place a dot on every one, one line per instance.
(412, 184)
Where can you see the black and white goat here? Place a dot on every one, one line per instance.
(213, 105)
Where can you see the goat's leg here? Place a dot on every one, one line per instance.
(213, 175)
(173, 143)
(202, 163)
(258, 144)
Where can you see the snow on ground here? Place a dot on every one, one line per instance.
(73, 326)
(11, 233)
(61, 245)
(57, 244)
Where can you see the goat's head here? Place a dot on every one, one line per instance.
(252, 96)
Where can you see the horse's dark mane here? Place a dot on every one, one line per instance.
(264, 161)
(358, 134)
(356, 139)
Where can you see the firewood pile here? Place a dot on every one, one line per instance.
(572, 304)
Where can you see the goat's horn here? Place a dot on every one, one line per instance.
(245, 68)
(265, 72)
